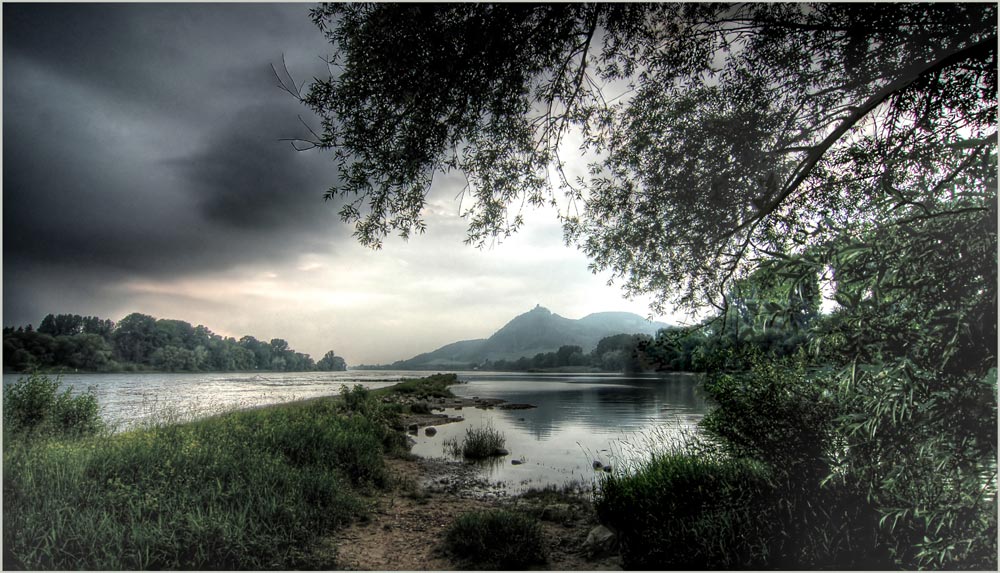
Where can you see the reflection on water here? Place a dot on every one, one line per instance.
(579, 419)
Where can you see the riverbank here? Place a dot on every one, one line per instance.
(311, 485)
(407, 525)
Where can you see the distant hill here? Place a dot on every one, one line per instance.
(538, 330)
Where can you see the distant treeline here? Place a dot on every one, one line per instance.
(142, 342)
(677, 349)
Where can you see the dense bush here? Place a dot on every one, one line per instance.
(775, 412)
(496, 539)
(34, 406)
(784, 415)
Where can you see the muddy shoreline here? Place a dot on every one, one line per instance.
(407, 524)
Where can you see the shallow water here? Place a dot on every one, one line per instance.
(579, 419)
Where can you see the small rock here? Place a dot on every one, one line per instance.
(600, 542)
(413, 428)
(598, 465)
(516, 406)
(501, 452)
(607, 469)
(516, 462)
(430, 430)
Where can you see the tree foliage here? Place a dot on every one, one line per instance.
(718, 133)
(331, 361)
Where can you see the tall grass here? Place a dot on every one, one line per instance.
(478, 443)
(245, 490)
(678, 511)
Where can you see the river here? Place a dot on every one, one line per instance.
(578, 418)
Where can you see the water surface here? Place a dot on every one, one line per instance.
(129, 398)
(579, 419)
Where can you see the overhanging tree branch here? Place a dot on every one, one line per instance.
(906, 78)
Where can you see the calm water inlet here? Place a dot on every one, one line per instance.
(579, 419)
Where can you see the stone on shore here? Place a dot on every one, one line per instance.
(600, 542)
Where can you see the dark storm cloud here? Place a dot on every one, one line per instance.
(143, 141)
(248, 182)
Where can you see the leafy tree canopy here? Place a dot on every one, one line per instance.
(717, 134)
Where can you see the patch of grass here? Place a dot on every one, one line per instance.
(496, 539)
(244, 490)
(434, 386)
(478, 443)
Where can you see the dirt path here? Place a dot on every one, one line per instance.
(409, 522)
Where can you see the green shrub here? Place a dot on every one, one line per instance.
(775, 413)
(785, 416)
(34, 406)
(678, 511)
(496, 539)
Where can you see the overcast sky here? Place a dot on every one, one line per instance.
(143, 172)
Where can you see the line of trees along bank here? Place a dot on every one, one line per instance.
(142, 342)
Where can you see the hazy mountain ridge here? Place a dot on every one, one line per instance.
(538, 330)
